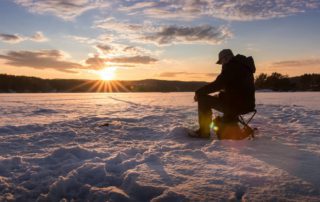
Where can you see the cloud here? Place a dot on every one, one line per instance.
(190, 74)
(39, 37)
(133, 50)
(198, 34)
(212, 74)
(112, 24)
(139, 5)
(104, 48)
(65, 9)
(82, 39)
(165, 35)
(98, 62)
(297, 63)
(43, 59)
(101, 39)
(106, 37)
(237, 10)
(134, 60)
(117, 49)
(16, 38)
(56, 59)
(11, 38)
(172, 74)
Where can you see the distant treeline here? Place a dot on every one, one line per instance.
(279, 82)
(24, 84)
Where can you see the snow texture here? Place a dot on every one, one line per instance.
(133, 147)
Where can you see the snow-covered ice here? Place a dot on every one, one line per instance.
(133, 147)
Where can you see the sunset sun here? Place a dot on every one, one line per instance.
(107, 73)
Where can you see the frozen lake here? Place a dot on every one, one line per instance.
(52, 148)
(50, 107)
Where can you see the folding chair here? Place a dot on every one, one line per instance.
(246, 123)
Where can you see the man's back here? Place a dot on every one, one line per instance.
(239, 88)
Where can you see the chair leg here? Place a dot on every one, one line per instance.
(241, 119)
(247, 128)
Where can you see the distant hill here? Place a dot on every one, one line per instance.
(24, 84)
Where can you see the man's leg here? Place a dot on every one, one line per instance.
(205, 104)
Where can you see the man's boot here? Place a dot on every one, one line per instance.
(204, 123)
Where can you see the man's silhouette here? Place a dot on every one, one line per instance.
(235, 85)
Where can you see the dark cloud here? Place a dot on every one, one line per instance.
(11, 38)
(130, 49)
(179, 34)
(104, 48)
(133, 50)
(16, 38)
(43, 59)
(297, 63)
(96, 62)
(55, 59)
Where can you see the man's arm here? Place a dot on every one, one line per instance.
(214, 86)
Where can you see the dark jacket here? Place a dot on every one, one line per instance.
(236, 85)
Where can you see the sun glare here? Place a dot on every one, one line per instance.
(108, 73)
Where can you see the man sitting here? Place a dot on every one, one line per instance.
(235, 85)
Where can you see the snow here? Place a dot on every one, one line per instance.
(133, 147)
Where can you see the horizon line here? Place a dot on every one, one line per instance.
(138, 79)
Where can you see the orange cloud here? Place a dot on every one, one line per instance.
(43, 59)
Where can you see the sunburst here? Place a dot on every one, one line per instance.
(108, 73)
(105, 84)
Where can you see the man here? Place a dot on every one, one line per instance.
(236, 89)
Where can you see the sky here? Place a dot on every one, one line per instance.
(164, 39)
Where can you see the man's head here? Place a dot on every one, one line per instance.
(225, 56)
